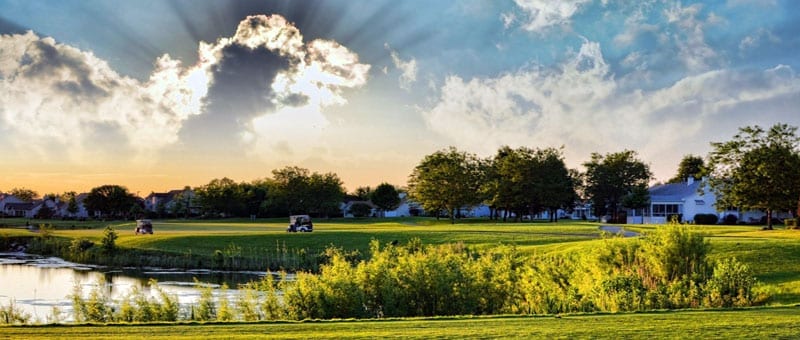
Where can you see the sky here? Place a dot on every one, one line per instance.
(157, 95)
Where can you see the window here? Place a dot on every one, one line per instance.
(665, 209)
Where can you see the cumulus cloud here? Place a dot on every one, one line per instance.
(755, 40)
(269, 86)
(54, 94)
(693, 50)
(580, 103)
(251, 88)
(408, 68)
(544, 14)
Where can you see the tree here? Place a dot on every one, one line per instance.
(757, 169)
(221, 196)
(610, 178)
(109, 240)
(690, 166)
(292, 189)
(528, 181)
(385, 197)
(363, 193)
(26, 195)
(296, 191)
(110, 200)
(72, 202)
(325, 194)
(446, 180)
(638, 198)
(360, 209)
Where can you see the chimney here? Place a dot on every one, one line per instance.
(690, 180)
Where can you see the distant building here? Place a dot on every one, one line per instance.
(156, 201)
(685, 200)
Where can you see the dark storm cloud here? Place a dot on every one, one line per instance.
(240, 91)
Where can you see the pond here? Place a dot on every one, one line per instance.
(37, 284)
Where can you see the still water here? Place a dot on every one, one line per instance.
(37, 284)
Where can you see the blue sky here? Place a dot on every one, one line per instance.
(161, 94)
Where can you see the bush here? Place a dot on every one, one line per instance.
(731, 285)
(109, 240)
(705, 219)
(360, 209)
(730, 219)
(674, 218)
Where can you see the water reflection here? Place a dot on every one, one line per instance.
(37, 284)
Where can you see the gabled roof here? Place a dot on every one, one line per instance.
(673, 192)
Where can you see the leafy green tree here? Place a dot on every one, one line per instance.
(363, 193)
(221, 196)
(610, 178)
(297, 190)
(385, 197)
(45, 212)
(757, 169)
(446, 180)
(556, 185)
(26, 195)
(528, 181)
(292, 189)
(638, 198)
(72, 202)
(690, 166)
(360, 209)
(110, 200)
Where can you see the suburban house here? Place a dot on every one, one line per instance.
(14, 207)
(685, 200)
(347, 206)
(167, 200)
(9, 204)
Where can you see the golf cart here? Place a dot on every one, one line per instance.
(143, 227)
(300, 223)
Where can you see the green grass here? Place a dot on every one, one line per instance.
(773, 255)
(758, 323)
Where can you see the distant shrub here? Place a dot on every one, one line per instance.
(730, 219)
(674, 218)
(706, 219)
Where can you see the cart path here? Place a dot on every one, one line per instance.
(617, 230)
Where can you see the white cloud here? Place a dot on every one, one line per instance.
(581, 104)
(408, 68)
(756, 39)
(544, 14)
(694, 52)
(54, 94)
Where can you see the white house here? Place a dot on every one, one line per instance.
(167, 200)
(6, 199)
(686, 199)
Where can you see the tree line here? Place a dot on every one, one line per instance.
(758, 169)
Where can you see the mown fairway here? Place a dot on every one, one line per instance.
(762, 323)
